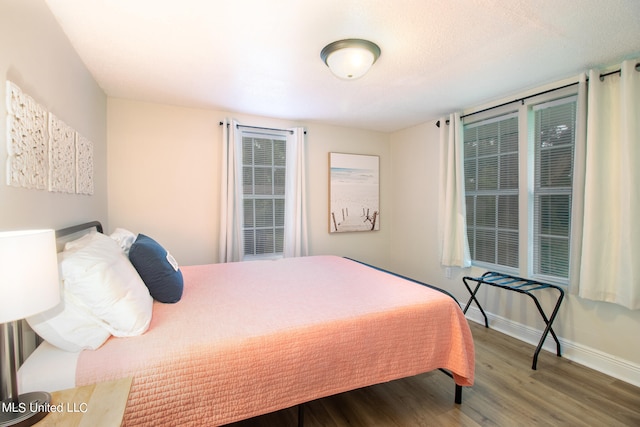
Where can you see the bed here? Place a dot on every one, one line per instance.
(254, 337)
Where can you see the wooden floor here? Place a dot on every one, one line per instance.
(507, 392)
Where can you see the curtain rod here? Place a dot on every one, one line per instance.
(524, 98)
(262, 128)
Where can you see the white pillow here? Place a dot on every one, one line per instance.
(80, 242)
(69, 327)
(124, 239)
(97, 275)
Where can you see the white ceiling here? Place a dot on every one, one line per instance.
(262, 57)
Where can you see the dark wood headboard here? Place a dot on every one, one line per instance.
(80, 227)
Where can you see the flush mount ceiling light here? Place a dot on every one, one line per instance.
(350, 59)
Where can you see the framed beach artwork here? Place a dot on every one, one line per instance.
(354, 192)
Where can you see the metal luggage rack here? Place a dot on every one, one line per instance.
(523, 286)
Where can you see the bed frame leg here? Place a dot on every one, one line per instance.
(301, 415)
(458, 398)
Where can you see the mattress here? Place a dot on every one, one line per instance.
(254, 337)
(36, 373)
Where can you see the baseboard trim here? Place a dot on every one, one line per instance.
(615, 367)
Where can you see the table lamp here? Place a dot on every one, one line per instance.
(29, 285)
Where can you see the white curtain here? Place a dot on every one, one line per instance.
(231, 212)
(295, 217)
(453, 222)
(577, 198)
(610, 265)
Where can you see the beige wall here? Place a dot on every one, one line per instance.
(370, 247)
(36, 55)
(414, 243)
(162, 176)
(164, 164)
(601, 335)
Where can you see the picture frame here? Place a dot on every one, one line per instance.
(354, 192)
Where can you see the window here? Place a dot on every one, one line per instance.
(263, 184)
(554, 140)
(518, 188)
(491, 188)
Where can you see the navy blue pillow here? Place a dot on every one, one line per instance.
(157, 268)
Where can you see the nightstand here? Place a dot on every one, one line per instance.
(99, 404)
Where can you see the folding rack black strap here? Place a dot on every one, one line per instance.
(523, 286)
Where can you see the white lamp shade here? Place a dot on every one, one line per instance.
(350, 63)
(29, 281)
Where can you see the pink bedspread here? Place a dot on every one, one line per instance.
(254, 337)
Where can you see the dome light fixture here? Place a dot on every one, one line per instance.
(350, 59)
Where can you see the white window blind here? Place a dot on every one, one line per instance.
(263, 175)
(491, 190)
(554, 139)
